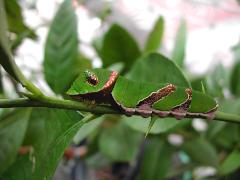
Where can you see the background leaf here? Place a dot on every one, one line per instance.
(61, 49)
(3, 27)
(58, 129)
(215, 82)
(216, 128)
(155, 37)
(119, 46)
(156, 160)
(156, 68)
(83, 63)
(119, 143)
(235, 80)
(16, 22)
(5, 55)
(230, 164)
(12, 131)
(15, 19)
(87, 129)
(178, 53)
(141, 124)
(201, 151)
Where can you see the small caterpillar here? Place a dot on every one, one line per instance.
(145, 99)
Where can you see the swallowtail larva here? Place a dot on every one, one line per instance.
(145, 99)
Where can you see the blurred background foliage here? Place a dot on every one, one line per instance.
(33, 141)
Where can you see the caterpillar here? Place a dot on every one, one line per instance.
(164, 99)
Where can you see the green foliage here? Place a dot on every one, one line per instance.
(1, 84)
(201, 151)
(178, 53)
(235, 81)
(61, 49)
(156, 68)
(154, 39)
(215, 83)
(5, 55)
(58, 128)
(119, 46)
(12, 130)
(15, 19)
(3, 29)
(141, 124)
(156, 160)
(119, 143)
(230, 163)
(6, 59)
(16, 23)
(87, 129)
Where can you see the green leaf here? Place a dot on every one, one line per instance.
(1, 85)
(228, 137)
(230, 164)
(35, 127)
(12, 131)
(156, 160)
(116, 67)
(5, 54)
(155, 37)
(142, 124)
(16, 23)
(226, 134)
(231, 106)
(217, 81)
(178, 53)
(83, 63)
(216, 127)
(155, 68)
(15, 19)
(3, 27)
(235, 81)
(87, 129)
(119, 46)
(198, 83)
(58, 129)
(119, 142)
(201, 151)
(61, 49)
(214, 83)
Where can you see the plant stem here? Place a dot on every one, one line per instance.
(56, 103)
(22, 79)
(221, 116)
(52, 102)
(7, 60)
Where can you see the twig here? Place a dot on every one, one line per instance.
(51, 102)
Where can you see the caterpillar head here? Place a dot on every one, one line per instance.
(92, 82)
